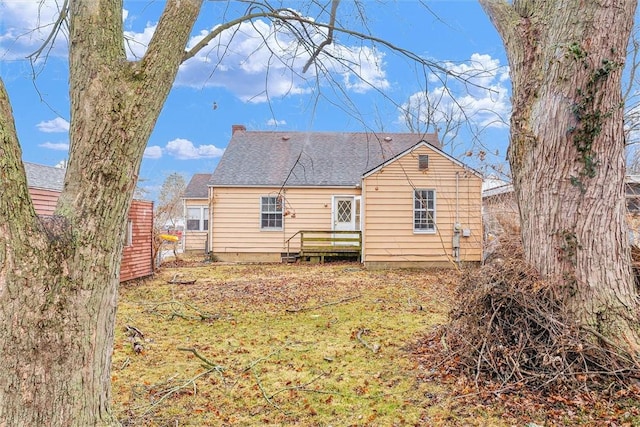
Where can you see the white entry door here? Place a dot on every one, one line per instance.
(344, 215)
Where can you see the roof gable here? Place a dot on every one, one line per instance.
(415, 147)
(198, 186)
(255, 158)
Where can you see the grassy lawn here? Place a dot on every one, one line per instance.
(311, 345)
(305, 345)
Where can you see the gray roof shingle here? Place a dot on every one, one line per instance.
(45, 177)
(197, 187)
(257, 158)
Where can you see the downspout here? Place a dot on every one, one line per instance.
(456, 226)
(284, 220)
(362, 220)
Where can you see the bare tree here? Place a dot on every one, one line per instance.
(456, 107)
(168, 211)
(169, 206)
(567, 155)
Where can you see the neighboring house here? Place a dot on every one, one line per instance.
(196, 213)
(500, 209)
(412, 204)
(45, 185)
(633, 207)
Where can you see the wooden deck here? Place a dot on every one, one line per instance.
(316, 245)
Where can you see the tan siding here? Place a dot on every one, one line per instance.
(388, 211)
(195, 240)
(136, 259)
(236, 218)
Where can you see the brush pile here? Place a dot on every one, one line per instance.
(509, 327)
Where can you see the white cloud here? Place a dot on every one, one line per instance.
(153, 152)
(366, 72)
(481, 99)
(136, 42)
(58, 146)
(257, 61)
(26, 26)
(56, 125)
(184, 149)
(274, 122)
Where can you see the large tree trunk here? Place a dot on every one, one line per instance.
(567, 154)
(59, 276)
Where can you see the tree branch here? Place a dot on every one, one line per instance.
(15, 202)
(286, 16)
(166, 48)
(504, 17)
(64, 10)
(223, 27)
(328, 40)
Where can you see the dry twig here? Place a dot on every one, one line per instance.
(374, 348)
(173, 309)
(315, 307)
(510, 326)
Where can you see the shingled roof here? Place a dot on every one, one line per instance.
(257, 158)
(197, 187)
(45, 177)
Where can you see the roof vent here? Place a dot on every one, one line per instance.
(387, 138)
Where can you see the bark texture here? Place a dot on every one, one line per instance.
(567, 154)
(59, 276)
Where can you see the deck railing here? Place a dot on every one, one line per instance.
(324, 243)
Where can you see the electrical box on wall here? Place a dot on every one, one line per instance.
(466, 232)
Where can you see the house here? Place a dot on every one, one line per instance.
(196, 213)
(45, 185)
(406, 202)
(500, 210)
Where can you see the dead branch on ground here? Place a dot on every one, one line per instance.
(164, 394)
(135, 336)
(176, 280)
(315, 307)
(264, 394)
(509, 326)
(172, 309)
(207, 363)
(374, 348)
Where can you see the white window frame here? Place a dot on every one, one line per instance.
(278, 203)
(429, 212)
(203, 218)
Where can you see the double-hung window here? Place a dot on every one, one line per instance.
(197, 218)
(424, 211)
(271, 212)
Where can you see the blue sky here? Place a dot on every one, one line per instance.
(212, 92)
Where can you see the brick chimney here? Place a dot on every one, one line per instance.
(235, 128)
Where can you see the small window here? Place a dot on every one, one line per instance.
(423, 162)
(197, 218)
(271, 212)
(424, 211)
